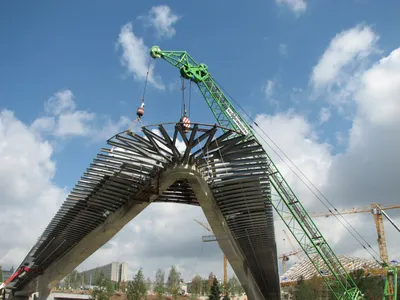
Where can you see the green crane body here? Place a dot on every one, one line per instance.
(299, 222)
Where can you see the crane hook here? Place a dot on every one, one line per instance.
(140, 110)
(185, 122)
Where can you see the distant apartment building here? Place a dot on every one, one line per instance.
(7, 273)
(114, 271)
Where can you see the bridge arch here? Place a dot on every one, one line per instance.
(218, 169)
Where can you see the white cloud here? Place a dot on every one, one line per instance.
(60, 102)
(110, 128)
(65, 121)
(168, 235)
(136, 56)
(372, 141)
(349, 45)
(269, 88)
(162, 19)
(297, 6)
(296, 137)
(379, 95)
(74, 124)
(367, 170)
(43, 125)
(339, 137)
(283, 49)
(28, 199)
(324, 115)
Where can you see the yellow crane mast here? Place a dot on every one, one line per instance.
(377, 211)
(225, 261)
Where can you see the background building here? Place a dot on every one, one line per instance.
(7, 273)
(123, 272)
(114, 271)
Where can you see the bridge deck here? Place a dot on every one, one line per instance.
(130, 172)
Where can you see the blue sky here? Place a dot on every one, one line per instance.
(263, 53)
(51, 46)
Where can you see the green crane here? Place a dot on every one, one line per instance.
(287, 205)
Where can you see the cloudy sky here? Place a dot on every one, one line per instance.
(321, 79)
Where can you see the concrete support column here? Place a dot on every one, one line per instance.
(42, 290)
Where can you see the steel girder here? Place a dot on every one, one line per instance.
(232, 166)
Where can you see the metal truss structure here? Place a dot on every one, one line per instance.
(130, 172)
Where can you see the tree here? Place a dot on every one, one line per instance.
(74, 280)
(205, 287)
(233, 286)
(1, 274)
(196, 285)
(159, 284)
(214, 291)
(173, 282)
(240, 289)
(122, 286)
(137, 289)
(104, 288)
(304, 291)
(149, 285)
(210, 279)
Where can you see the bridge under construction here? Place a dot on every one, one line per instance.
(218, 171)
(222, 168)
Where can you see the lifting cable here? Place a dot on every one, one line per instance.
(190, 95)
(183, 104)
(297, 175)
(147, 79)
(140, 110)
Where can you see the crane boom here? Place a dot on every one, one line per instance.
(353, 210)
(203, 225)
(390, 220)
(290, 241)
(299, 223)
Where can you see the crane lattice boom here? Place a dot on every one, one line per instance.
(288, 205)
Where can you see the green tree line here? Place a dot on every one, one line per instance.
(211, 287)
(138, 288)
(315, 288)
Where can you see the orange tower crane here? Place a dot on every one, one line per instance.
(285, 256)
(225, 261)
(377, 210)
(291, 243)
